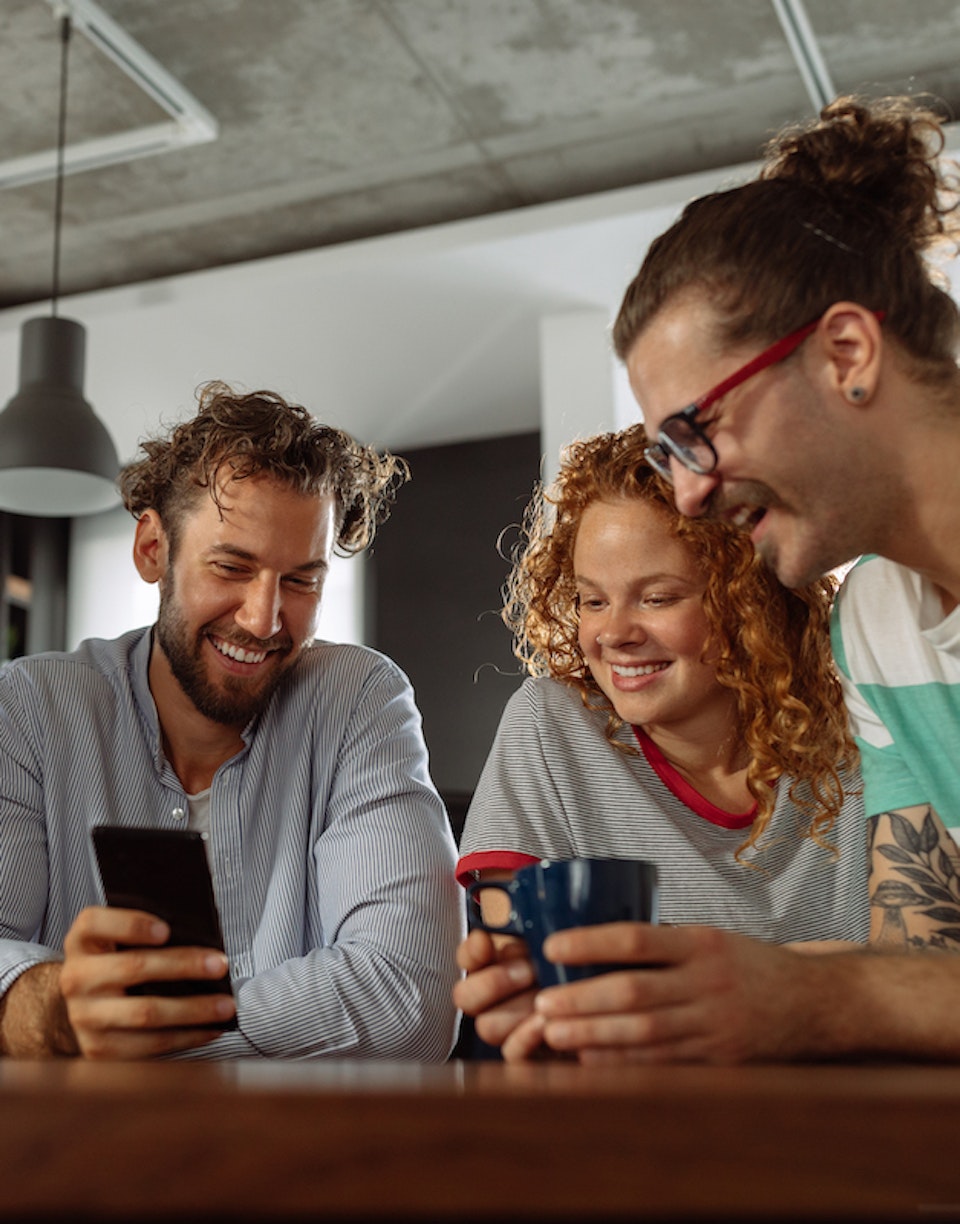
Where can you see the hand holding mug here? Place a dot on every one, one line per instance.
(554, 895)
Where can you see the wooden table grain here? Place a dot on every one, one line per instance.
(360, 1141)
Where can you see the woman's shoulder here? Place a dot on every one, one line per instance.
(552, 714)
(554, 698)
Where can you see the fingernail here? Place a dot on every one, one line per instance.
(226, 1007)
(520, 972)
(159, 930)
(543, 1003)
(216, 965)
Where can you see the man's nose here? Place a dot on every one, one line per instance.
(691, 490)
(259, 614)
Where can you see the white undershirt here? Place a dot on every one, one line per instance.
(199, 805)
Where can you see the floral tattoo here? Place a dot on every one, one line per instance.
(930, 883)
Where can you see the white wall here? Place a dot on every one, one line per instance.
(106, 594)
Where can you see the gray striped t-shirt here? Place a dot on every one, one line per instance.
(554, 787)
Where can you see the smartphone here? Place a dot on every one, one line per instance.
(165, 872)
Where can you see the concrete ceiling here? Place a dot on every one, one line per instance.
(345, 119)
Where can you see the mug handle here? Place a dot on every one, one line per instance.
(512, 926)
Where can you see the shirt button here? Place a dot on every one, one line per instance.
(178, 813)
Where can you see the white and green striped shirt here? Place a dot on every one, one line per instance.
(899, 657)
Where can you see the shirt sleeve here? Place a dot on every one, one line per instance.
(23, 849)
(516, 815)
(379, 982)
(889, 783)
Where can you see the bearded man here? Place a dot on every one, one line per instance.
(301, 762)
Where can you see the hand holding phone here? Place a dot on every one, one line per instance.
(164, 872)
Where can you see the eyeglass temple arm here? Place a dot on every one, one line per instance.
(776, 352)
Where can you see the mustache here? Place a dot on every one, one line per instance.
(722, 500)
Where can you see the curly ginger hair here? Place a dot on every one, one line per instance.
(772, 644)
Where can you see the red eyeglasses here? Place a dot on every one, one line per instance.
(680, 436)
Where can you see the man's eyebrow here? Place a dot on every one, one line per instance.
(241, 554)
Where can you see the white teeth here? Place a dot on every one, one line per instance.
(238, 653)
(639, 671)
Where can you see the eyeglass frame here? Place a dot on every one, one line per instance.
(660, 453)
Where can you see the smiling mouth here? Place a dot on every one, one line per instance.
(647, 669)
(239, 654)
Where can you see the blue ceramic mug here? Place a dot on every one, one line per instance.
(555, 894)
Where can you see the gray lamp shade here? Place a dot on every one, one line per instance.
(56, 457)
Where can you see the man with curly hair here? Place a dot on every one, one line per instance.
(301, 761)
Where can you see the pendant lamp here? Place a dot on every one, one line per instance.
(56, 456)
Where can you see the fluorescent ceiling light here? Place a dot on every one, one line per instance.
(190, 123)
(806, 52)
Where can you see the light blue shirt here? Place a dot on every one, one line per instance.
(331, 854)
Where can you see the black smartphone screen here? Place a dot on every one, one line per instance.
(164, 872)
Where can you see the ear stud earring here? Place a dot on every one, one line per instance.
(856, 395)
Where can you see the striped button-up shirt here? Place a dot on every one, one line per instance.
(331, 855)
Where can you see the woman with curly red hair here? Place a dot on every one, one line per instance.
(682, 707)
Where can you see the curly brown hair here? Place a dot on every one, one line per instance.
(236, 436)
(849, 207)
(772, 644)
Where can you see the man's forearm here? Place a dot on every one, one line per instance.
(894, 1003)
(719, 997)
(33, 1016)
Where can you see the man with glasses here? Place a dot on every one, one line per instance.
(806, 300)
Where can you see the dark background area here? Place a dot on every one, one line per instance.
(34, 563)
(434, 596)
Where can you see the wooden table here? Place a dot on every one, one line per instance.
(472, 1141)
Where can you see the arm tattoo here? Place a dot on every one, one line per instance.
(930, 883)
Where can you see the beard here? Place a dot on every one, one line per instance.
(235, 700)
